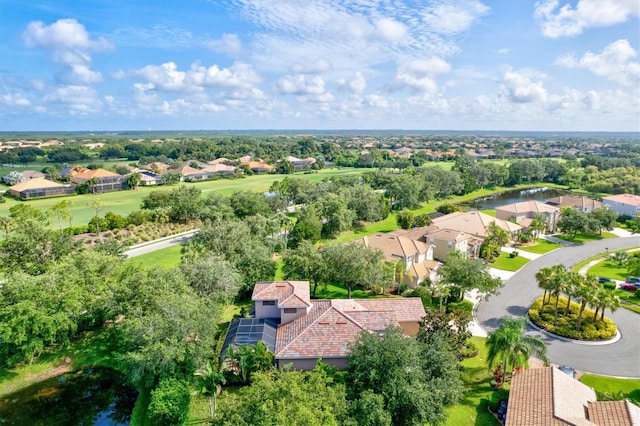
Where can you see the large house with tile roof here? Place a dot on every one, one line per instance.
(300, 331)
(39, 187)
(548, 397)
(416, 255)
(101, 180)
(442, 240)
(582, 203)
(473, 223)
(623, 204)
(524, 212)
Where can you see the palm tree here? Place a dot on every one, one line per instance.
(509, 345)
(538, 224)
(499, 235)
(586, 291)
(606, 299)
(621, 257)
(133, 180)
(543, 276)
(572, 283)
(209, 382)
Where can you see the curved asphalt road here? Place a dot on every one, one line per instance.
(621, 359)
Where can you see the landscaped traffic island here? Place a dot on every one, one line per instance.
(577, 322)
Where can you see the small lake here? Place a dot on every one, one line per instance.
(87, 397)
(515, 195)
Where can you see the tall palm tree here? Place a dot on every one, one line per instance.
(606, 299)
(543, 276)
(587, 294)
(209, 382)
(509, 345)
(573, 281)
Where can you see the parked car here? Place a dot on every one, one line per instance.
(633, 280)
(629, 286)
(603, 280)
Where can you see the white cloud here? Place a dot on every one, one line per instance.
(453, 17)
(229, 44)
(70, 45)
(391, 30)
(14, 100)
(616, 62)
(565, 20)
(80, 100)
(301, 85)
(420, 74)
(168, 77)
(356, 85)
(519, 88)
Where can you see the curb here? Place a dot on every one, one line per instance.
(159, 240)
(617, 337)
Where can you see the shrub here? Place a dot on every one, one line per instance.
(169, 403)
(609, 285)
(638, 293)
(115, 221)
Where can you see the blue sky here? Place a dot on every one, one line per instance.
(570, 65)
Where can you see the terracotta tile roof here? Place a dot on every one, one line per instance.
(260, 165)
(549, 397)
(474, 223)
(186, 170)
(218, 167)
(220, 160)
(575, 202)
(629, 199)
(288, 294)
(97, 173)
(36, 183)
(331, 325)
(529, 206)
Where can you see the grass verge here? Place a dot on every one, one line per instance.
(609, 269)
(628, 388)
(540, 247)
(506, 263)
(168, 257)
(581, 237)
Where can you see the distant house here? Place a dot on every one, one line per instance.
(623, 204)
(70, 172)
(443, 241)
(148, 178)
(416, 255)
(187, 172)
(260, 167)
(26, 175)
(300, 331)
(39, 187)
(548, 397)
(221, 160)
(584, 204)
(219, 169)
(101, 180)
(523, 212)
(301, 163)
(157, 167)
(473, 223)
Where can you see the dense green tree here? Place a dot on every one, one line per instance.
(415, 380)
(405, 219)
(605, 218)
(368, 205)
(451, 328)
(404, 191)
(25, 215)
(285, 167)
(278, 397)
(248, 203)
(335, 215)
(573, 221)
(308, 227)
(353, 265)
(213, 277)
(464, 273)
(304, 263)
(249, 359)
(369, 410)
(169, 402)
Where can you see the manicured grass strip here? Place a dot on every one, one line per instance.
(338, 291)
(541, 247)
(609, 269)
(579, 265)
(489, 212)
(630, 388)
(506, 263)
(581, 237)
(168, 257)
(473, 408)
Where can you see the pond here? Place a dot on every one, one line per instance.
(91, 396)
(513, 196)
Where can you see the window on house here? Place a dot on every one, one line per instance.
(268, 303)
(290, 311)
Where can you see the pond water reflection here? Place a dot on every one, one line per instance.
(91, 396)
(513, 196)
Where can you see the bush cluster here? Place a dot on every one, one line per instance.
(566, 324)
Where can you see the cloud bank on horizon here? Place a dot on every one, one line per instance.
(320, 64)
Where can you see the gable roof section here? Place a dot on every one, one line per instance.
(575, 201)
(288, 294)
(331, 325)
(37, 183)
(473, 223)
(446, 235)
(393, 246)
(97, 173)
(628, 199)
(529, 206)
(549, 397)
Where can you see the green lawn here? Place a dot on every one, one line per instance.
(472, 409)
(489, 212)
(338, 291)
(630, 388)
(167, 258)
(579, 265)
(540, 247)
(609, 269)
(124, 202)
(506, 263)
(581, 237)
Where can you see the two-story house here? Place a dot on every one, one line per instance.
(300, 331)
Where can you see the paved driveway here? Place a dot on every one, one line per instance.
(620, 359)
